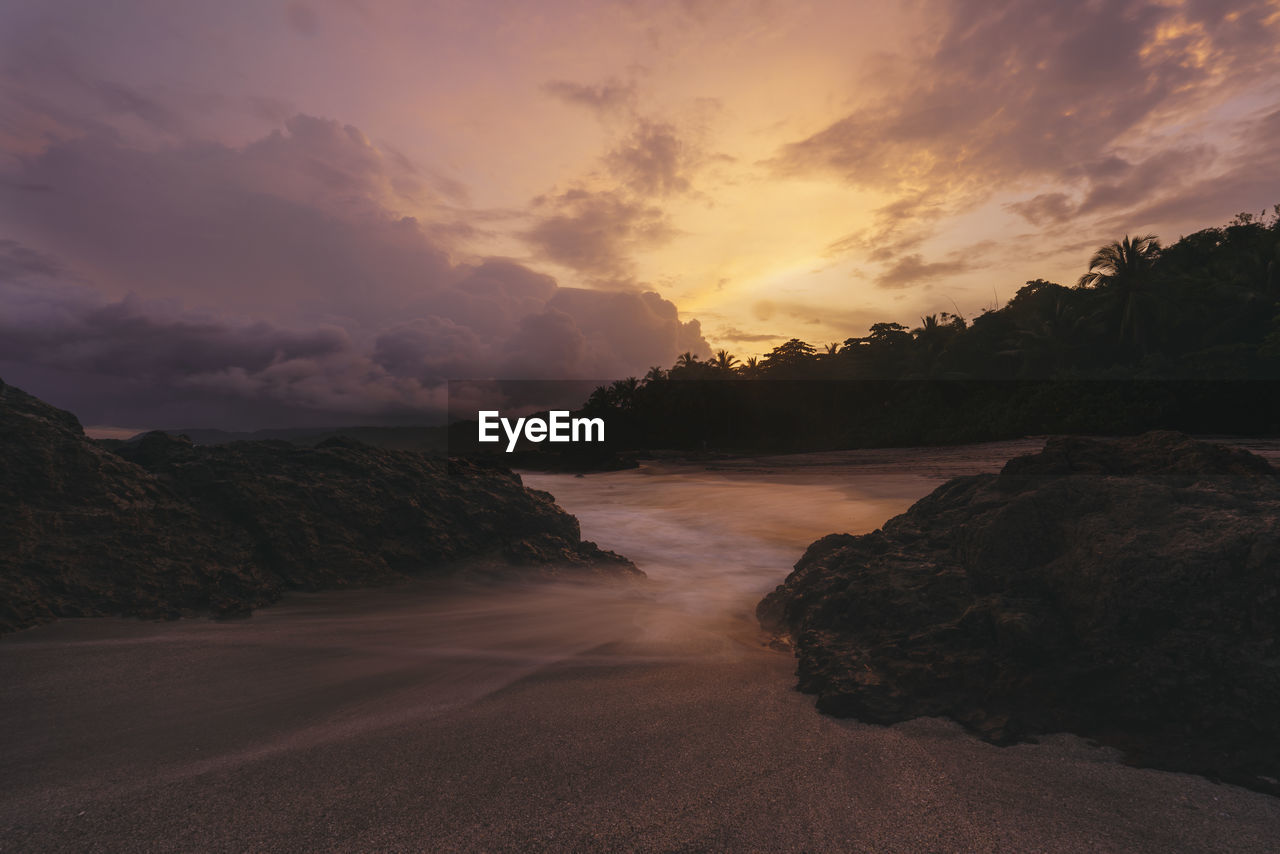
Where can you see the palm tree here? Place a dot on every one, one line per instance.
(724, 361)
(624, 392)
(1120, 260)
(832, 348)
(600, 400)
(686, 360)
(655, 375)
(1123, 269)
(929, 332)
(751, 367)
(1047, 341)
(931, 336)
(928, 327)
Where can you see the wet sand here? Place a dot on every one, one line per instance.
(577, 718)
(355, 722)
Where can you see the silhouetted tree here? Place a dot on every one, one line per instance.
(1207, 306)
(623, 392)
(724, 361)
(788, 360)
(1123, 270)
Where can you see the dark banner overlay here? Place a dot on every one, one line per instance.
(778, 416)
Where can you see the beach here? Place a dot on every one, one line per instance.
(603, 716)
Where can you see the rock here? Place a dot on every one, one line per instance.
(162, 527)
(85, 533)
(1127, 591)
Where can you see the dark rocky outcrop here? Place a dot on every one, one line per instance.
(161, 527)
(1124, 590)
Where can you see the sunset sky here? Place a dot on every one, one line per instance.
(249, 214)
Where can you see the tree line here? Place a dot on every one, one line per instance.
(1148, 336)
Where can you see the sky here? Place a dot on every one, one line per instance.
(258, 214)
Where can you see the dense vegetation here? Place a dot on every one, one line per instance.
(1185, 336)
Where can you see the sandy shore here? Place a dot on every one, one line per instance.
(553, 719)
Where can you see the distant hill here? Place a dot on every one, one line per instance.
(427, 439)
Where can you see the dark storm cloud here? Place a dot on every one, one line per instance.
(427, 347)
(160, 355)
(280, 277)
(129, 338)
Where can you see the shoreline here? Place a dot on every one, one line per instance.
(1267, 446)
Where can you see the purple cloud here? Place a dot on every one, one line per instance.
(280, 279)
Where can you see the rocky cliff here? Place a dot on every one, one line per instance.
(1123, 590)
(161, 527)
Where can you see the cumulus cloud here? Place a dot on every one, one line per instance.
(547, 345)
(625, 330)
(285, 275)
